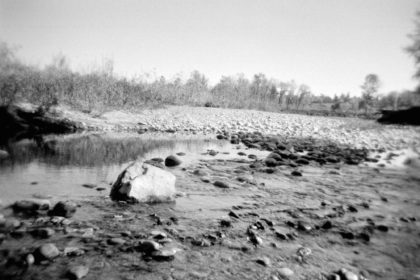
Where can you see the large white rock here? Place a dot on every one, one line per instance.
(143, 182)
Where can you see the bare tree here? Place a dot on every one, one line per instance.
(369, 89)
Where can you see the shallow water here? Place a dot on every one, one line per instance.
(58, 166)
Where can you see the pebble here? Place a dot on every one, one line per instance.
(172, 161)
(296, 173)
(164, 255)
(73, 251)
(46, 251)
(221, 184)
(265, 261)
(116, 241)
(77, 272)
(285, 272)
(89, 186)
(148, 246)
(64, 209)
(347, 275)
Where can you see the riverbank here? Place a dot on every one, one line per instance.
(316, 201)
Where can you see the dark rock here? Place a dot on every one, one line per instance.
(347, 275)
(302, 161)
(225, 223)
(220, 137)
(296, 173)
(233, 214)
(212, 152)
(281, 235)
(326, 225)
(221, 184)
(265, 261)
(352, 209)
(64, 209)
(270, 162)
(251, 156)
(172, 161)
(148, 246)
(201, 242)
(303, 226)
(383, 228)
(181, 154)
(89, 186)
(364, 236)
(347, 235)
(31, 206)
(164, 255)
(43, 232)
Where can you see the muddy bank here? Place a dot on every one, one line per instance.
(20, 122)
(242, 217)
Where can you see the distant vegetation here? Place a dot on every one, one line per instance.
(101, 90)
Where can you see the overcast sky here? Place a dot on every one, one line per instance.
(328, 44)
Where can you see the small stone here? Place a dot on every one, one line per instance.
(148, 246)
(382, 228)
(347, 275)
(64, 209)
(296, 173)
(220, 137)
(44, 232)
(265, 261)
(158, 234)
(164, 255)
(327, 225)
(89, 186)
(205, 179)
(280, 235)
(221, 184)
(225, 223)
(99, 189)
(303, 226)
(29, 259)
(78, 272)
(233, 214)
(285, 272)
(73, 251)
(181, 154)
(347, 235)
(116, 241)
(172, 161)
(29, 206)
(46, 251)
(352, 209)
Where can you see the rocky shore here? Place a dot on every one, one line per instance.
(318, 206)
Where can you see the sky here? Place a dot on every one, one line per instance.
(330, 45)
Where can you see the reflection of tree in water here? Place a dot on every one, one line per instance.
(87, 150)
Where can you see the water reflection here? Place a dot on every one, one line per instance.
(59, 165)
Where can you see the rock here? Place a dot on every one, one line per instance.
(352, 209)
(347, 275)
(200, 173)
(281, 235)
(172, 161)
(326, 225)
(225, 223)
(382, 228)
(3, 154)
(64, 209)
(201, 242)
(2, 237)
(303, 226)
(73, 251)
(158, 235)
(148, 246)
(46, 251)
(347, 234)
(296, 173)
(144, 183)
(10, 224)
(99, 189)
(220, 137)
(31, 206)
(89, 186)
(44, 232)
(181, 154)
(29, 259)
(77, 272)
(285, 272)
(164, 255)
(265, 261)
(116, 241)
(213, 152)
(205, 179)
(233, 214)
(221, 184)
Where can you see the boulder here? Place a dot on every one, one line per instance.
(142, 182)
